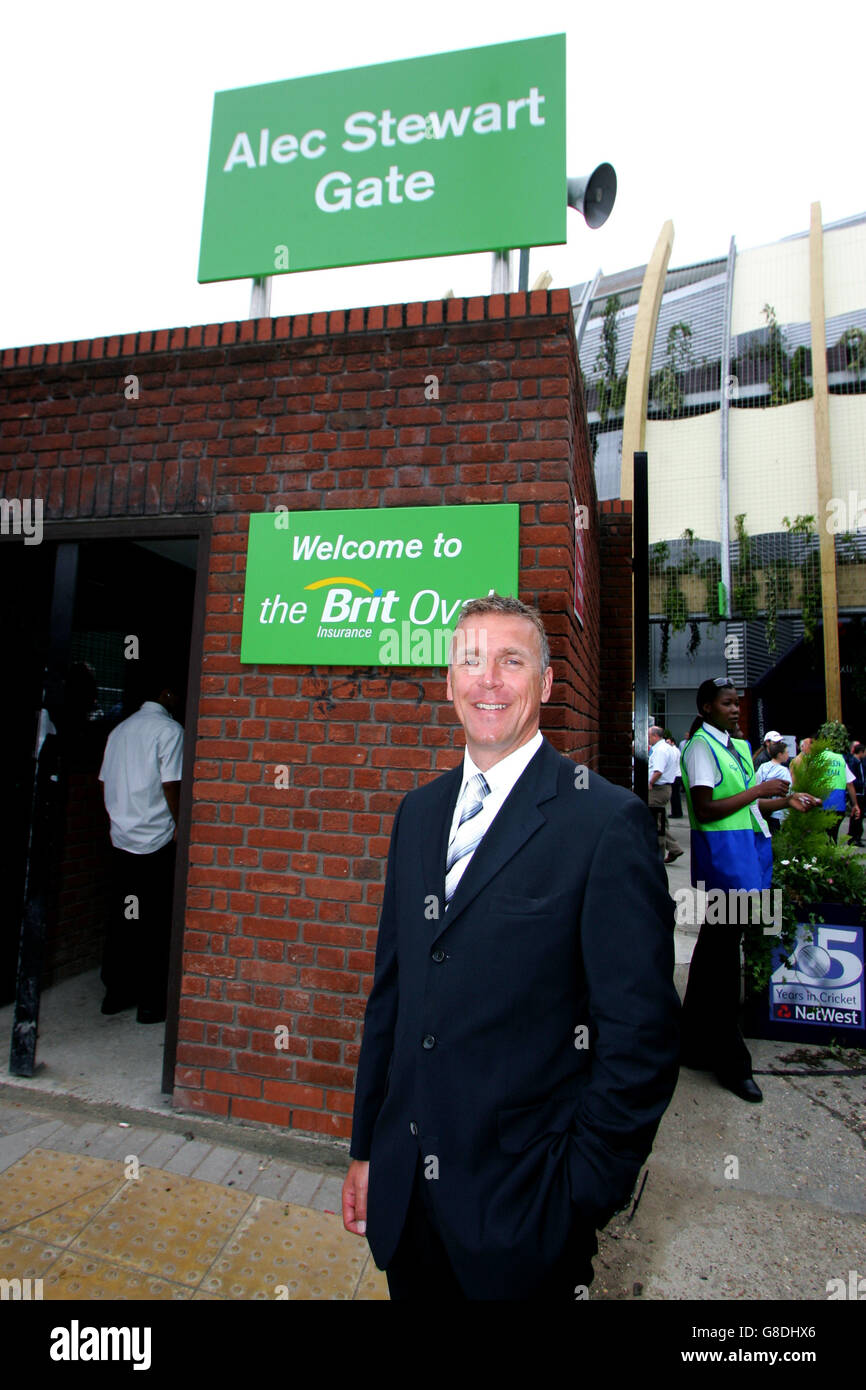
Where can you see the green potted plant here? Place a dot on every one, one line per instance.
(822, 886)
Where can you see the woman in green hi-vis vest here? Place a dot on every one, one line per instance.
(731, 849)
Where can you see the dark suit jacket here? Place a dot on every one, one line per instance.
(470, 1051)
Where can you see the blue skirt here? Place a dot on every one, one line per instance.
(732, 859)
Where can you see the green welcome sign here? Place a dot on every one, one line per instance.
(371, 588)
(433, 156)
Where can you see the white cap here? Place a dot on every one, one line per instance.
(773, 737)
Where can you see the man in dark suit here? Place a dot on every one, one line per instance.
(521, 1036)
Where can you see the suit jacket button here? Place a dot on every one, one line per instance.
(429, 1041)
(438, 954)
(413, 1128)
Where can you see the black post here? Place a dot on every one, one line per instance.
(45, 816)
(640, 631)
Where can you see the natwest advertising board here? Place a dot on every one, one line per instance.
(432, 156)
(821, 983)
(371, 588)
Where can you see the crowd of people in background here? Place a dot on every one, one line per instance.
(772, 760)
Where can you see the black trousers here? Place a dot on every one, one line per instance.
(420, 1268)
(711, 1034)
(135, 957)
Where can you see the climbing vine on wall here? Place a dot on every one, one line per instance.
(744, 581)
(665, 385)
(711, 572)
(747, 602)
(810, 572)
(610, 387)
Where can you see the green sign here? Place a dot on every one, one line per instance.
(432, 156)
(371, 588)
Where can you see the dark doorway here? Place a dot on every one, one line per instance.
(26, 576)
(133, 600)
(132, 604)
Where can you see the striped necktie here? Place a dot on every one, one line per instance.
(466, 837)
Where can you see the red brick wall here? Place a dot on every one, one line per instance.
(284, 884)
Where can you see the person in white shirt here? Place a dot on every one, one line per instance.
(141, 776)
(763, 754)
(663, 767)
(775, 766)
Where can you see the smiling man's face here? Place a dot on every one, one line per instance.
(497, 685)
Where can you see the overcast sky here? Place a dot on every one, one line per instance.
(728, 118)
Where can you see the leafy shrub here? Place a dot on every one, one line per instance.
(808, 867)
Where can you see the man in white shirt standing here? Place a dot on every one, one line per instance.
(663, 768)
(141, 776)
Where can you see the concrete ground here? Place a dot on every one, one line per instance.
(107, 1193)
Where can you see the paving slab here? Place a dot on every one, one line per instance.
(328, 1195)
(285, 1252)
(15, 1146)
(117, 1141)
(188, 1157)
(163, 1148)
(76, 1138)
(273, 1178)
(302, 1187)
(243, 1172)
(14, 1118)
(216, 1164)
(52, 1195)
(164, 1225)
(84, 1277)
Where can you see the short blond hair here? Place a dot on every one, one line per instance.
(513, 608)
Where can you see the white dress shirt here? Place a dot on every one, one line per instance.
(500, 778)
(662, 760)
(140, 754)
(703, 770)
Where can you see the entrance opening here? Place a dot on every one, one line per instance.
(132, 605)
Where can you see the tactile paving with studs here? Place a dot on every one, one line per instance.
(91, 1233)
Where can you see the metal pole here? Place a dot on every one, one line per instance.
(500, 277)
(46, 806)
(727, 390)
(523, 278)
(640, 631)
(260, 297)
(585, 305)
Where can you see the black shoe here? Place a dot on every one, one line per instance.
(744, 1087)
(116, 1004)
(669, 858)
(149, 1016)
